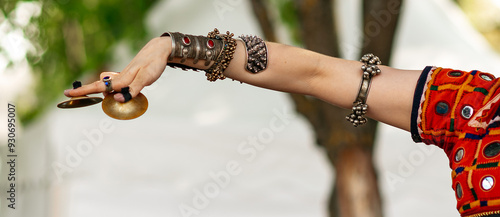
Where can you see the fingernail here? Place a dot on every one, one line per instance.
(119, 97)
(66, 92)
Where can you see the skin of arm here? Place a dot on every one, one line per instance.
(290, 69)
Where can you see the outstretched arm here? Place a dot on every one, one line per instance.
(290, 69)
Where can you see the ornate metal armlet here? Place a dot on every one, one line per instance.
(256, 53)
(359, 107)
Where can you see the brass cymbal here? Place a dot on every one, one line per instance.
(125, 111)
(79, 101)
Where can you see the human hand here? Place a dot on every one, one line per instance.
(146, 67)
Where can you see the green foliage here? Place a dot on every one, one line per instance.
(76, 37)
(289, 17)
(8, 5)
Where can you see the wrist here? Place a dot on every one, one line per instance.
(165, 44)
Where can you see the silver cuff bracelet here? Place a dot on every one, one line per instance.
(194, 47)
(256, 50)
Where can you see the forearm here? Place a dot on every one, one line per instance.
(289, 69)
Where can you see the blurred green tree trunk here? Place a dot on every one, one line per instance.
(350, 149)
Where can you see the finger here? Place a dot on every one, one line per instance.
(117, 81)
(95, 87)
(122, 79)
(126, 94)
(111, 75)
(134, 88)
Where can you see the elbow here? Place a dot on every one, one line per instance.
(315, 77)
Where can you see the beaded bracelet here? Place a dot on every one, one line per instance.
(216, 70)
(359, 109)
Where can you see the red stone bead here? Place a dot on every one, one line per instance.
(211, 43)
(186, 40)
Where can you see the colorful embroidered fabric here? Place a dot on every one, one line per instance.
(458, 112)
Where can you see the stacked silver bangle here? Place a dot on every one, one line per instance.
(359, 109)
(217, 50)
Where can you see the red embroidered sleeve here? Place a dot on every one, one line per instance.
(458, 112)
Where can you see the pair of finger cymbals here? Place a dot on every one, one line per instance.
(134, 108)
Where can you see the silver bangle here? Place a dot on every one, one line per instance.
(359, 108)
